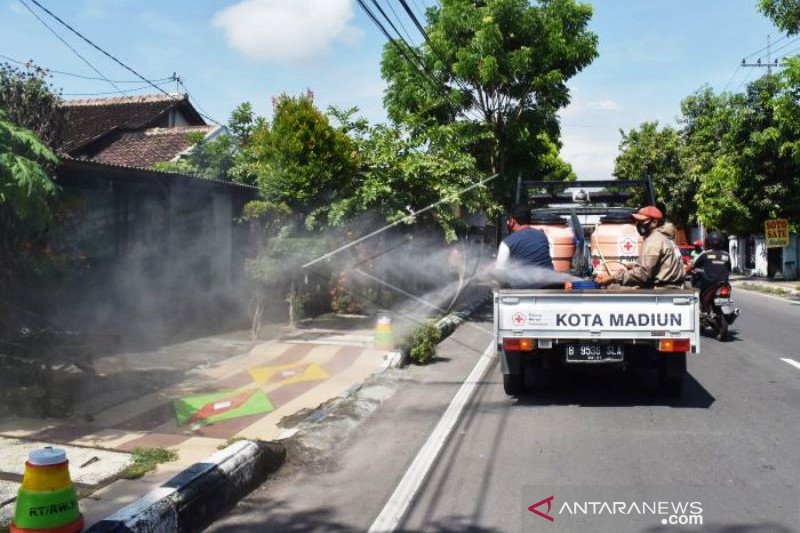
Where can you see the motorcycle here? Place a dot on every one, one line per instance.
(717, 309)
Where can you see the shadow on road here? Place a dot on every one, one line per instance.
(278, 517)
(624, 390)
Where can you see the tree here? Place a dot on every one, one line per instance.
(500, 66)
(656, 153)
(784, 13)
(32, 103)
(401, 173)
(212, 159)
(300, 159)
(25, 184)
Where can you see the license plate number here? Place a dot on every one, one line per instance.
(595, 352)
(721, 301)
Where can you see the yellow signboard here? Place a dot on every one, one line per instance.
(777, 233)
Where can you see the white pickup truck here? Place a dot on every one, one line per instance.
(539, 329)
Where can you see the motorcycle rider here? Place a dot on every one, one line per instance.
(713, 266)
(658, 265)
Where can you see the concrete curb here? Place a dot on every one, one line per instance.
(194, 498)
(446, 325)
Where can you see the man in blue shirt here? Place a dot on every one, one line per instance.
(523, 253)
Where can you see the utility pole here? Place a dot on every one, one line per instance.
(770, 64)
(177, 80)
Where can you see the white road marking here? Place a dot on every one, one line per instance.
(395, 509)
(791, 362)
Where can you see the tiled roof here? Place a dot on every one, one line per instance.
(145, 148)
(90, 120)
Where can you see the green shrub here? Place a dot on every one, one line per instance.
(421, 343)
(146, 459)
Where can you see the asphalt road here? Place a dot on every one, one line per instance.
(730, 446)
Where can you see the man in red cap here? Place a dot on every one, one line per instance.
(658, 265)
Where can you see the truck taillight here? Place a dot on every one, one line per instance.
(515, 344)
(674, 345)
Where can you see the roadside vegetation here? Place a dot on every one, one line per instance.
(421, 343)
(147, 459)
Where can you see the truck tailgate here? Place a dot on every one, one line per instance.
(598, 314)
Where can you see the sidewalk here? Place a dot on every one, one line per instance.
(192, 397)
(786, 289)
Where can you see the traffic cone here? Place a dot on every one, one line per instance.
(384, 337)
(47, 501)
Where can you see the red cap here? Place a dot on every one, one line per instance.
(648, 212)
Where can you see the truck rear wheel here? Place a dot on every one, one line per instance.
(672, 374)
(513, 384)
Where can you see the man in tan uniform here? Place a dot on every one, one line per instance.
(658, 265)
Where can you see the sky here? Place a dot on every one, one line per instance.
(652, 54)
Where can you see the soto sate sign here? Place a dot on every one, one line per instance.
(776, 232)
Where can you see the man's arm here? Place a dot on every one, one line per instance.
(643, 271)
(503, 255)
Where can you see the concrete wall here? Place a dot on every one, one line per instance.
(791, 258)
(162, 259)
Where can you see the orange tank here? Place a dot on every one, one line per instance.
(560, 237)
(616, 240)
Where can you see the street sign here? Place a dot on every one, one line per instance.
(777, 233)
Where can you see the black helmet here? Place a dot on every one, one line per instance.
(716, 240)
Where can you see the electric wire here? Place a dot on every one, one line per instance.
(744, 81)
(416, 64)
(106, 93)
(735, 72)
(785, 45)
(75, 75)
(436, 52)
(202, 112)
(403, 52)
(98, 48)
(399, 20)
(64, 41)
(766, 47)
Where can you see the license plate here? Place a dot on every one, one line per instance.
(594, 352)
(721, 301)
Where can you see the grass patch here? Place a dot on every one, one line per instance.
(146, 459)
(421, 343)
(229, 441)
(777, 291)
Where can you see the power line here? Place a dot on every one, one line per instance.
(416, 62)
(744, 81)
(766, 47)
(98, 48)
(436, 52)
(786, 45)
(399, 21)
(74, 51)
(135, 89)
(418, 68)
(736, 71)
(203, 113)
(73, 74)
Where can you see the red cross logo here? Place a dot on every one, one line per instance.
(518, 319)
(628, 245)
